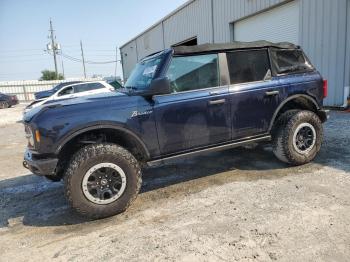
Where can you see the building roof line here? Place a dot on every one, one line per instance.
(159, 22)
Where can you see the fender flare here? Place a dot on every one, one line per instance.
(103, 126)
(290, 98)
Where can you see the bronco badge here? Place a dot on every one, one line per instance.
(137, 113)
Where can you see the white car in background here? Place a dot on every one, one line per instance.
(74, 90)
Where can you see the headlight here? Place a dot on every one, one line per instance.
(29, 136)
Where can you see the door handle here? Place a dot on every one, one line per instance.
(272, 93)
(217, 102)
(213, 93)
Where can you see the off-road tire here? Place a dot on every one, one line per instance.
(90, 156)
(283, 132)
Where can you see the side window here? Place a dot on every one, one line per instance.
(80, 88)
(94, 86)
(248, 66)
(66, 91)
(193, 72)
(289, 61)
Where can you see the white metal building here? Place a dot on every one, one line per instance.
(321, 27)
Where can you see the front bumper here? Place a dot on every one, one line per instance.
(39, 166)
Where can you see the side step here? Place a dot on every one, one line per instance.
(206, 150)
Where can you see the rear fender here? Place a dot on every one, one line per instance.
(300, 97)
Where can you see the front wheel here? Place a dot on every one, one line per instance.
(102, 180)
(297, 137)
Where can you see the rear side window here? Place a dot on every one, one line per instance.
(193, 72)
(290, 61)
(248, 66)
(94, 86)
(87, 87)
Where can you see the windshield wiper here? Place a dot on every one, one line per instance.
(131, 87)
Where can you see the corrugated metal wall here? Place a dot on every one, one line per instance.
(193, 20)
(227, 11)
(129, 57)
(323, 37)
(150, 42)
(278, 24)
(323, 34)
(347, 54)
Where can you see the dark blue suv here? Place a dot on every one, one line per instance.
(178, 103)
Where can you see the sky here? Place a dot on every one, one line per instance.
(102, 26)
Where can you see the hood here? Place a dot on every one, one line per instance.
(102, 98)
(43, 94)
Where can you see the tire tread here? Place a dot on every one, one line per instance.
(282, 132)
(90, 151)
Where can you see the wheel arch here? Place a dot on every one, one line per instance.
(299, 101)
(129, 137)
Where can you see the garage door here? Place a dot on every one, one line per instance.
(276, 25)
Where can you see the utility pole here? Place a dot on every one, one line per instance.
(116, 62)
(62, 69)
(54, 46)
(82, 55)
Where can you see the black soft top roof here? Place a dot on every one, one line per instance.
(182, 50)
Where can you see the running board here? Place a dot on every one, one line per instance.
(211, 149)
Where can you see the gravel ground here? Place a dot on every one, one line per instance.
(11, 115)
(237, 205)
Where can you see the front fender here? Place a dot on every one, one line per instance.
(99, 125)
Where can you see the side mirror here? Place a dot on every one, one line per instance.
(159, 86)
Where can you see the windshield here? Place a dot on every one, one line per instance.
(57, 87)
(143, 73)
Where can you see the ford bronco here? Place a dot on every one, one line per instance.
(177, 103)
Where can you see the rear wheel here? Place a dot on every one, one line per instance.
(297, 137)
(102, 180)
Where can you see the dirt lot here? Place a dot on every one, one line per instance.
(240, 204)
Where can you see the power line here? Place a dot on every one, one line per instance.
(86, 61)
(101, 63)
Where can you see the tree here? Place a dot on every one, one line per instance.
(50, 75)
